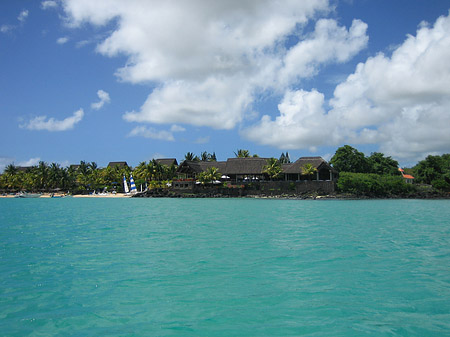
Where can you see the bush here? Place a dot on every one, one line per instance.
(441, 184)
(374, 185)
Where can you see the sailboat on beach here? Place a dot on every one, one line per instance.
(132, 185)
(125, 185)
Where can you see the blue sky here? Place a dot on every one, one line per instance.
(113, 80)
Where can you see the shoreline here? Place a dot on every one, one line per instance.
(306, 196)
(58, 196)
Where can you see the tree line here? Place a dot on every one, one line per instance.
(378, 175)
(373, 175)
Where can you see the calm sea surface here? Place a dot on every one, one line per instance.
(224, 267)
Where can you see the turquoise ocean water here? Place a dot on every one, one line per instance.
(224, 267)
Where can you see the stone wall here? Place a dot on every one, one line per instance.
(271, 188)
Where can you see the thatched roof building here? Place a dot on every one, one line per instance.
(121, 164)
(167, 161)
(324, 171)
(190, 169)
(23, 168)
(245, 166)
(252, 168)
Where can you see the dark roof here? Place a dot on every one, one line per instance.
(317, 162)
(250, 165)
(23, 168)
(167, 161)
(285, 167)
(220, 165)
(189, 166)
(118, 163)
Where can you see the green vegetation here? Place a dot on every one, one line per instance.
(190, 156)
(273, 168)
(83, 178)
(373, 176)
(435, 171)
(376, 175)
(349, 159)
(241, 153)
(284, 158)
(211, 175)
(153, 171)
(204, 156)
(308, 170)
(373, 185)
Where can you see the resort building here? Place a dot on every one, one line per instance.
(296, 171)
(246, 169)
(251, 169)
(167, 161)
(121, 164)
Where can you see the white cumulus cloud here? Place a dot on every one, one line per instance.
(52, 124)
(104, 98)
(149, 132)
(23, 16)
(301, 118)
(30, 162)
(328, 43)
(49, 4)
(401, 102)
(62, 40)
(6, 28)
(211, 59)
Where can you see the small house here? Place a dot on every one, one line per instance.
(409, 179)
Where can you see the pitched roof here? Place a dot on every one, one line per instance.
(220, 165)
(296, 167)
(118, 163)
(167, 161)
(188, 166)
(23, 168)
(251, 165)
(407, 176)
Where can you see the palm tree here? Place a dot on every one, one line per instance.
(206, 156)
(190, 156)
(284, 158)
(10, 169)
(273, 168)
(42, 171)
(209, 176)
(140, 171)
(308, 170)
(54, 175)
(241, 153)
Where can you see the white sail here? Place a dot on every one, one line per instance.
(125, 185)
(132, 185)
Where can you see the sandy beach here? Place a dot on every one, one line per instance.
(109, 195)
